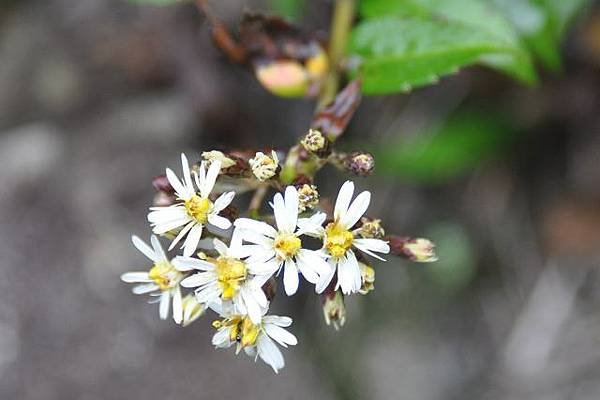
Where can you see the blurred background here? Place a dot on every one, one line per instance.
(98, 96)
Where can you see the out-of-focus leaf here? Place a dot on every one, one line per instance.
(450, 150)
(456, 265)
(542, 24)
(406, 43)
(290, 9)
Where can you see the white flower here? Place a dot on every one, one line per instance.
(282, 247)
(338, 241)
(162, 280)
(226, 278)
(257, 339)
(263, 166)
(195, 209)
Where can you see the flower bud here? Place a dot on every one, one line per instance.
(308, 197)
(214, 155)
(334, 309)
(418, 249)
(263, 166)
(371, 228)
(367, 275)
(192, 310)
(360, 163)
(270, 289)
(161, 184)
(231, 165)
(316, 143)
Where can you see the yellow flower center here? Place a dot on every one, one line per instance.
(230, 274)
(198, 207)
(164, 275)
(337, 239)
(287, 245)
(241, 329)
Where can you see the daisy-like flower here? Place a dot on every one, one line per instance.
(263, 166)
(273, 248)
(194, 209)
(256, 338)
(161, 281)
(226, 278)
(339, 241)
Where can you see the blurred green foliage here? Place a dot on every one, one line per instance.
(290, 9)
(452, 148)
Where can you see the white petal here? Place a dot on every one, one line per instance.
(144, 288)
(269, 353)
(220, 247)
(312, 226)
(158, 250)
(145, 249)
(264, 268)
(343, 200)
(180, 189)
(221, 338)
(370, 245)
(177, 306)
(326, 277)
(357, 209)
(256, 238)
(281, 217)
(186, 175)
(189, 263)
(349, 278)
(277, 320)
(291, 206)
(191, 242)
(223, 201)
(290, 277)
(256, 226)
(218, 221)
(181, 234)
(311, 265)
(135, 277)
(165, 301)
(254, 310)
(211, 178)
(280, 335)
(208, 294)
(199, 279)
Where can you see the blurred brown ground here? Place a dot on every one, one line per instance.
(98, 96)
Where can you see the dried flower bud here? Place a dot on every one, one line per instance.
(192, 310)
(270, 288)
(367, 275)
(371, 228)
(161, 184)
(418, 249)
(263, 166)
(308, 197)
(360, 163)
(315, 142)
(334, 309)
(210, 156)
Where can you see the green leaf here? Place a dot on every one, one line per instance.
(400, 38)
(447, 151)
(290, 9)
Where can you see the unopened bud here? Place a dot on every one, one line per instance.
(162, 184)
(263, 166)
(334, 309)
(315, 142)
(367, 275)
(371, 228)
(285, 78)
(192, 310)
(360, 163)
(418, 249)
(308, 197)
(213, 155)
(231, 165)
(163, 199)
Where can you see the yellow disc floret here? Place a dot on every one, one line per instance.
(164, 275)
(287, 245)
(231, 273)
(198, 208)
(241, 329)
(337, 239)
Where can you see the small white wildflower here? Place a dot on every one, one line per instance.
(338, 241)
(263, 166)
(162, 280)
(226, 278)
(273, 248)
(194, 209)
(256, 338)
